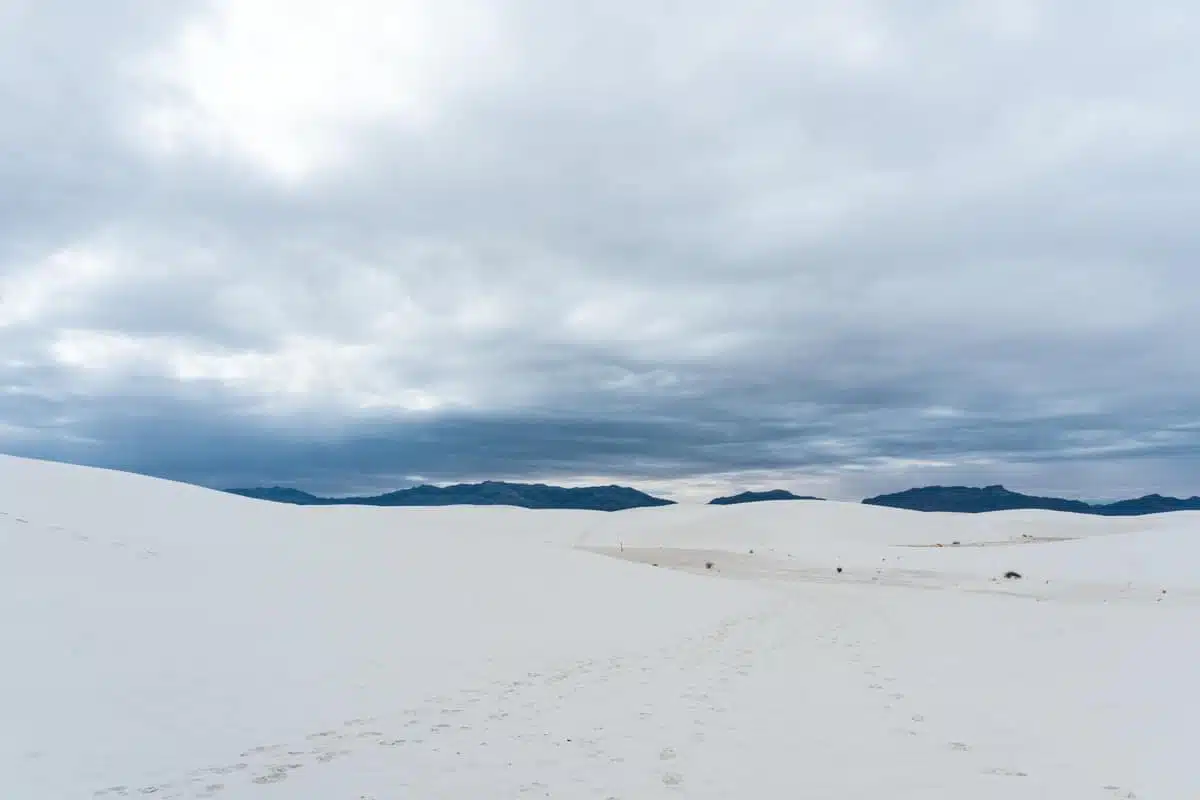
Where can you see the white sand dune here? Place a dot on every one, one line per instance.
(167, 641)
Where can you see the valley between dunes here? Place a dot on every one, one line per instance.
(167, 641)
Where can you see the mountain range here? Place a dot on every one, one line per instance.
(758, 497)
(488, 493)
(973, 500)
(961, 499)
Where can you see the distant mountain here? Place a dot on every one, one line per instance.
(758, 497)
(1150, 504)
(488, 493)
(973, 500)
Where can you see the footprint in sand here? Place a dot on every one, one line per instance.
(321, 735)
(277, 774)
(267, 748)
(239, 767)
(333, 755)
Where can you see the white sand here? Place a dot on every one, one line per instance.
(166, 641)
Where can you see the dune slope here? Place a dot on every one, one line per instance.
(168, 641)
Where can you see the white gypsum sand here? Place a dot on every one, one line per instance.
(168, 641)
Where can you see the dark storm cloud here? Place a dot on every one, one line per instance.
(785, 241)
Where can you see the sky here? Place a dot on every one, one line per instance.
(838, 246)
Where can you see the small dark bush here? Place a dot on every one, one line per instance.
(839, 569)
(1012, 575)
(708, 565)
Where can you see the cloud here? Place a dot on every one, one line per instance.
(282, 85)
(834, 246)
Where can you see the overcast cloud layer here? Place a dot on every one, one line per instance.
(842, 246)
